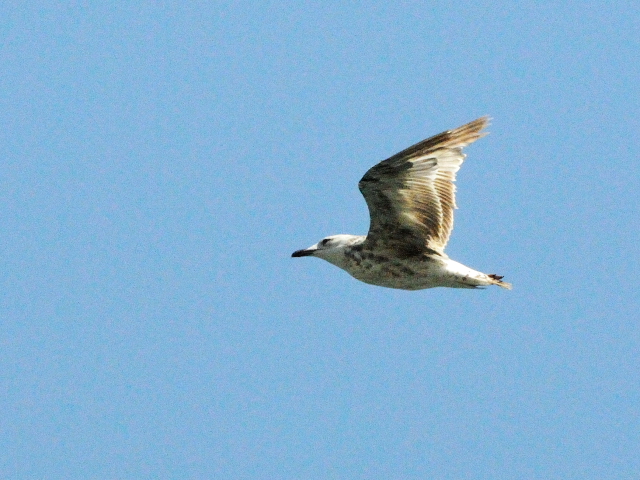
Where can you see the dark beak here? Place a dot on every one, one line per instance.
(302, 253)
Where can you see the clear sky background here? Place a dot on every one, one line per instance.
(160, 162)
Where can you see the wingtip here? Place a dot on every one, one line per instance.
(486, 122)
(469, 132)
(476, 125)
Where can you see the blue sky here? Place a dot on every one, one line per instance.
(159, 162)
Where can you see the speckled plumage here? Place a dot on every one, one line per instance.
(411, 198)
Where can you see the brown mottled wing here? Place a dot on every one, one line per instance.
(411, 196)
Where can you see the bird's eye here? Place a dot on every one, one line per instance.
(324, 242)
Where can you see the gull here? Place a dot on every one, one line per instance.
(411, 198)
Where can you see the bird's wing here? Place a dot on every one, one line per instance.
(411, 195)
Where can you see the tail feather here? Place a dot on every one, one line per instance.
(497, 281)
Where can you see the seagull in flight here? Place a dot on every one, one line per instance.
(411, 198)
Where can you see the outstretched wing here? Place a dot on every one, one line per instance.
(411, 196)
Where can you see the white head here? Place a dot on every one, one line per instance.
(330, 248)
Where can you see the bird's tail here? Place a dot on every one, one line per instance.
(497, 280)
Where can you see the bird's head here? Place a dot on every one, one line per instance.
(329, 248)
